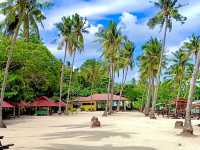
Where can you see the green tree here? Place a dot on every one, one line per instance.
(168, 12)
(149, 67)
(178, 68)
(111, 40)
(194, 47)
(71, 34)
(125, 62)
(15, 13)
(92, 71)
(79, 28)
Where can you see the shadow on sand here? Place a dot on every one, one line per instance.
(87, 135)
(81, 147)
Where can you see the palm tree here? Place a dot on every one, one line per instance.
(71, 34)
(125, 62)
(178, 68)
(111, 41)
(15, 13)
(194, 47)
(79, 28)
(92, 71)
(149, 65)
(168, 12)
(32, 15)
(67, 40)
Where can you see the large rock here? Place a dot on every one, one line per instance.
(179, 124)
(95, 123)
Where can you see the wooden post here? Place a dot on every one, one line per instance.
(14, 112)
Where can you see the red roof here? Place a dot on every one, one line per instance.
(43, 101)
(23, 104)
(101, 97)
(62, 104)
(7, 105)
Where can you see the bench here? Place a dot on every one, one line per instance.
(2, 147)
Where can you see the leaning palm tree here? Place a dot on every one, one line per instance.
(194, 47)
(15, 13)
(79, 28)
(111, 40)
(125, 62)
(168, 12)
(149, 65)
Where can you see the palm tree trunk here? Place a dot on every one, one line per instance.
(155, 95)
(126, 72)
(147, 105)
(70, 80)
(187, 129)
(112, 88)
(108, 93)
(61, 80)
(118, 104)
(10, 52)
(91, 99)
(177, 97)
(26, 27)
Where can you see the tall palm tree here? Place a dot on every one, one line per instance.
(194, 47)
(149, 65)
(67, 41)
(125, 62)
(178, 68)
(79, 28)
(15, 13)
(71, 34)
(168, 12)
(111, 40)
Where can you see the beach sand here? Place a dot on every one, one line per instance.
(121, 131)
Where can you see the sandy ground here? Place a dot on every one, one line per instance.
(122, 131)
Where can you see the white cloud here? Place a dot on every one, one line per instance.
(134, 28)
(94, 9)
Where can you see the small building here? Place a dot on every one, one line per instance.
(99, 101)
(43, 106)
(8, 110)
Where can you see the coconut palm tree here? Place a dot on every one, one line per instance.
(71, 34)
(111, 40)
(32, 15)
(79, 28)
(15, 13)
(125, 62)
(67, 41)
(194, 47)
(178, 68)
(149, 65)
(92, 71)
(164, 18)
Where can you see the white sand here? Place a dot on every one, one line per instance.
(122, 131)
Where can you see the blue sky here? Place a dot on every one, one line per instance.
(130, 15)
